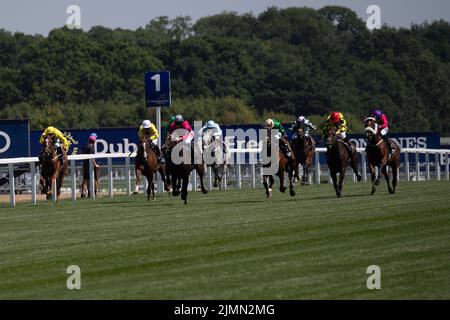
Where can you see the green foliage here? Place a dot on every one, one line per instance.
(233, 68)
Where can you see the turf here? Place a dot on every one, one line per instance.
(233, 245)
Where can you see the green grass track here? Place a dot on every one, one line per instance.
(233, 245)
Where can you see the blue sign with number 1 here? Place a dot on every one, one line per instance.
(157, 89)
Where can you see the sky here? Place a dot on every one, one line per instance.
(40, 16)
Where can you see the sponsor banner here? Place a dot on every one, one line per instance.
(14, 138)
(125, 140)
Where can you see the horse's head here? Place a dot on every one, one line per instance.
(331, 137)
(207, 138)
(300, 132)
(370, 128)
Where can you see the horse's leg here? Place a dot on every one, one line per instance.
(333, 174)
(200, 168)
(394, 177)
(164, 178)
(138, 180)
(354, 164)
(378, 179)
(43, 185)
(184, 188)
(388, 180)
(267, 187)
(291, 181)
(281, 177)
(373, 177)
(175, 188)
(341, 181)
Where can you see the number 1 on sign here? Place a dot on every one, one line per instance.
(157, 79)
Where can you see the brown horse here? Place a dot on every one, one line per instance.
(147, 165)
(338, 158)
(284, 165)
(52, 171)
(179, 172)
(304, 147)
(378, 156)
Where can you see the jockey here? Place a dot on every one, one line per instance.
(59, 141)
(383, 129)
(303, 123)
(180, 123)
(147, 131)
(216, 132)
(336, 120)
(211, 125)
(282, 137)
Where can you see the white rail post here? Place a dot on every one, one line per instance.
(194, 181)
(91, 178)
(12, 186)
(427, 166)
(209, 178)
(364, 166)
(438, 165)
(417, 166)
(110, 179)
(74, 180)
(33, 182)
(317, 155)
(447, 169)
(407, 166)
(224, 181)
(239, 176)
(128, 176)
(55, 190)
(253, 175)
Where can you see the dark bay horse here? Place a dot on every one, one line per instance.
(338, 158)
(214, 150)
(284, 165)
(304, 148)
(148, 166)
(378, 156)
(52, 170)
(180, 172)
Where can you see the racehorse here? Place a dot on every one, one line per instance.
(214, 149)
(304, 148)
(52, 171)
(284, 165)
(148, 166)
(180, 172)
(338, 158)
(378, 156)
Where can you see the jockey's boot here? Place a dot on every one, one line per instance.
(285, 149)
(159, 156)
(350, 147)
(389, 145)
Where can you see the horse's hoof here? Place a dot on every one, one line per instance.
(283, 190)
(292, 193)
(204, 191)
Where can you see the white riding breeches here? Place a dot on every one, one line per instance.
(384, 131)
(343, 135)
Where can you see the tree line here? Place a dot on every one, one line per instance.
(235, 68)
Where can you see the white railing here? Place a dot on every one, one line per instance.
(438, 160)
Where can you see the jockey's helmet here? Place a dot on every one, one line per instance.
(171, 119)
(335, 118)
(146, 124)
(210, 124)
(301, 119)
(269, 123)
(377, 113)
(179, 119)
